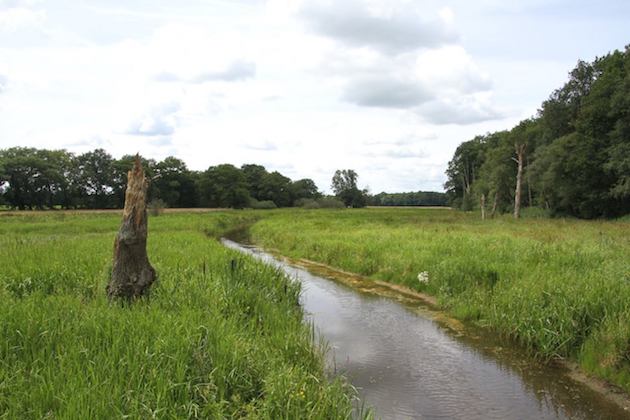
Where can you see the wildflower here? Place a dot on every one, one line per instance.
(423, 277)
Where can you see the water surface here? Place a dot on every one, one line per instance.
(405, 364)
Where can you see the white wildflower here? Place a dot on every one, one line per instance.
(423, 277)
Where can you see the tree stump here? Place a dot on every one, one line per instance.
(132, 274)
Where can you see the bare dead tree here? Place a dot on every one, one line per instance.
(483, 207)
(132, 274)
(495, 204)
(520, 155)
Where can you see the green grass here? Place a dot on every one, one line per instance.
(559, 287)
(210, 342)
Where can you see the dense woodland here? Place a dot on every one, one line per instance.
(38, 179)
(45, 179)
(572, 158)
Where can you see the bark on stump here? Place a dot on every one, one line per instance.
(132, 274)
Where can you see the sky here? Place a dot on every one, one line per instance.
(388, 88)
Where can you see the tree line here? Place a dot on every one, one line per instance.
(419, 198)
(41, 179)
(33, 178)
(572, 158)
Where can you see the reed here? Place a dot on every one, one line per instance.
(560, 287)
(221, 335)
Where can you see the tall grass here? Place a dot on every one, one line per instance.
(559, 287)
(220, 336)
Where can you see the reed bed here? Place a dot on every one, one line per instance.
(221, 335)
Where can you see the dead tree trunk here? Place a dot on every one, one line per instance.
(494, 205)
(483, 207)
(132, 274)
(520, 154)
(530, 199)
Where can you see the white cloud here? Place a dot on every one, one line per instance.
(463, 110)
(235, 71)
(451, 69)
(392, 27)
(396, 152)
(159, 121)
(18, 17)
(262, 146)
(385, 92)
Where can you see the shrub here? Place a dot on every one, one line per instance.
(156, 206)
(307, 203)
(262, 205)
(330, 203)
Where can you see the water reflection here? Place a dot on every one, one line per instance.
(406, 365)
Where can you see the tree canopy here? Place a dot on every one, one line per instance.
(344, 185)
(575, 151)
(42, 179)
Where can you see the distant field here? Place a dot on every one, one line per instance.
(561, 287)
(216, 339)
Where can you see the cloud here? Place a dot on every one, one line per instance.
(15, 17)
(236, 71)
(385, 92)
(167, 77)
(397, 153)
(461, 111)
(371, 79)
(265, 146)
(160, 121)
(3, 83)
(404, 140)
(451, 68)
(94, 142)
(162, 141)
(394, 28)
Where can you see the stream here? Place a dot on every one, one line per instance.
(408, 363)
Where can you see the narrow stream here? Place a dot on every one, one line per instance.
(407, 365)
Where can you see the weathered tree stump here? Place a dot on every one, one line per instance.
(132, 274)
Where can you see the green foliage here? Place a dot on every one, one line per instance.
(304, 189)
(607, 351)
(326, 202)
(224, 186)
(95, 178)
(274, 187)
(497, 174)
(175, 184)
(344, 185)
(277, 188)
(221, 336)
(32, 178)
(576, 159)
(557, 286)
(46, 179)
(420, 198)
(462, 171)
(262, 205)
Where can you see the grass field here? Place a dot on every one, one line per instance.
(216, 339)
(215, 342)
(559, 287)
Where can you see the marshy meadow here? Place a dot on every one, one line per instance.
(223, 335)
